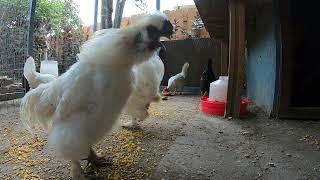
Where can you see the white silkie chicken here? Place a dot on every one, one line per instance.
(33, 77)
(81, 106)
(148, 77)
(177, 81)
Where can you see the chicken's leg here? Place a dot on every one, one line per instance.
(96, 161)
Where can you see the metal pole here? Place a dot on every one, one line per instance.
(158, 5)
(32, 12)
(95, 16)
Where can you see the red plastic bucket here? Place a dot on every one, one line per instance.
(218, 108)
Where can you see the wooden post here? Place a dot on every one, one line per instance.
(236, 57)
(224, 58)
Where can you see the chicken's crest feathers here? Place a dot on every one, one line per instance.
(102, 48)
(131, 45)
(155, 19)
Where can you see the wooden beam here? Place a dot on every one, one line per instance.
(236, 57)
(224, 57)
(286, 63)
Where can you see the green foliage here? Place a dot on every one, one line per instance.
(57, 15)
(51, 15)
(59, 18)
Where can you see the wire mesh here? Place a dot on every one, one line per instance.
(13, 51)
(60, 46)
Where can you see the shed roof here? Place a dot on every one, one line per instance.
(215, 15)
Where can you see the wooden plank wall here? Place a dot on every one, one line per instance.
(194, 51)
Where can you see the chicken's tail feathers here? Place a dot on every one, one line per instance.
(185, 68)
(35, 111)
(29, 69)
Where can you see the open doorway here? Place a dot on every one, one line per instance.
(305, 54)
(299, 95)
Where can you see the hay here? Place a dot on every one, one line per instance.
(20, 154)
(126, 153)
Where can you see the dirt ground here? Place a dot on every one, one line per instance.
(176, 142)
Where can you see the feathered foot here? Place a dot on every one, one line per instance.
(77, 173)
(96, 161)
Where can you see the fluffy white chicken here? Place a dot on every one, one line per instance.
(33, 77)
(81, 106)
(148, 77)
(177, 81)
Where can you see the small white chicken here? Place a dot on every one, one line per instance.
(177, 81)
(33, 77)
(81, 106)
(148, 77)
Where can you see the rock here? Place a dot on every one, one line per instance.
(5, 146)
(271, 164)
(245, 133)
(164, 98)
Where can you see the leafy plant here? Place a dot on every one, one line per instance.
(57, 15)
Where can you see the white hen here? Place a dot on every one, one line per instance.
(33, 77)
(82, 105)
(177, 81)
(148, 77)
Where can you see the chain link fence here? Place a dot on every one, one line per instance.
(13, 49)
(61, 46)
